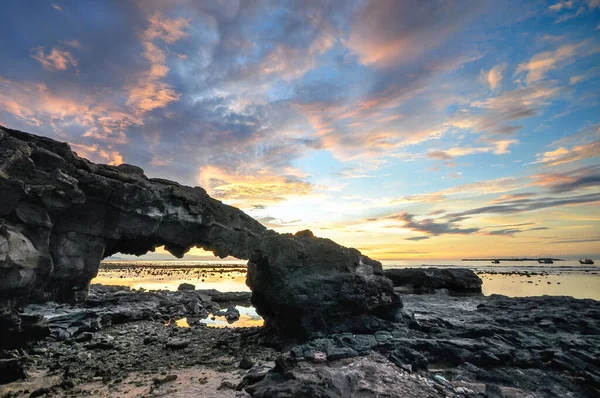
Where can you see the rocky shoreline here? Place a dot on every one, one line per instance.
(334, 321)
(123, 341)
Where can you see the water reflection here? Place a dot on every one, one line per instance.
(248, 318)
(157, 276)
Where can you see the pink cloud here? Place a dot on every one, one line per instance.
(57, 59)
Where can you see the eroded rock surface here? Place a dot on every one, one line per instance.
(60, 215)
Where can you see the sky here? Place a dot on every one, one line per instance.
(407, 129)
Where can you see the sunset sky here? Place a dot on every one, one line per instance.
(407, 129)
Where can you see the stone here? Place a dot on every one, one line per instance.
(177, 344)
(39, 392)
(245, 363)
(165, 379)
(232, 314)
(493, 391)
(83, 337)
(186, 286)
(12, 369)
(427, 280)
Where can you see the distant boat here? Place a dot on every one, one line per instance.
(545, 261)
(586, 261)
(495, 261)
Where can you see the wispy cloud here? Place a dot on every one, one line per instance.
(564, 155)
(568, 181)
(150, 92)
(56, 59)
(540, 64)
(387, 33)
(430, 226)
(494, 76)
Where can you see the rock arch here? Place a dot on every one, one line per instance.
(60, 215)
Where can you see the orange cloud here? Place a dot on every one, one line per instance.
(34, 104)
(493, 77)
(56, 60)
(563, 155)
(540, 64)
(150, 92)
(252, 188)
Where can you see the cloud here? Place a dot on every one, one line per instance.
(569, 181)
(474, 189)
(562, 5)
(493, 77)
(498, 148)
(429, 226)
(512, 231)
(57, 59)
(577, 153)
(150, 92)
(540, 64)
(251, 189)
(417, 238)
(497, 114)
(387, 33)
(526, 205)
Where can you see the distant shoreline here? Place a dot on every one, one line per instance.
(512, 259)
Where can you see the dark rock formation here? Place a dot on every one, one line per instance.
(60, 215)
(427, 280)
(302, 284)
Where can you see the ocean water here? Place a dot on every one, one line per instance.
(563, 278)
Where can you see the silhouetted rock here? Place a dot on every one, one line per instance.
(427, 280)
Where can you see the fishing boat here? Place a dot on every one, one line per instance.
(545, 261)
(495, 261)
(586, 261)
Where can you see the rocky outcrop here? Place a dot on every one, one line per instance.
(302, 284)
(427, 280)
(60, 215)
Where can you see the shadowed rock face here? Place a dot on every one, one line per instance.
(60, 215)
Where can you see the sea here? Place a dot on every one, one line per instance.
(509, 278)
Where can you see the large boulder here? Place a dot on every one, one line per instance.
(427, 280)
(302, 284)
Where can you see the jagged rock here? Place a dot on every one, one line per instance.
(60, 215)
(427, 280)
(302, 284)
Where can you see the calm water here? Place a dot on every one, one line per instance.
(567, 278)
